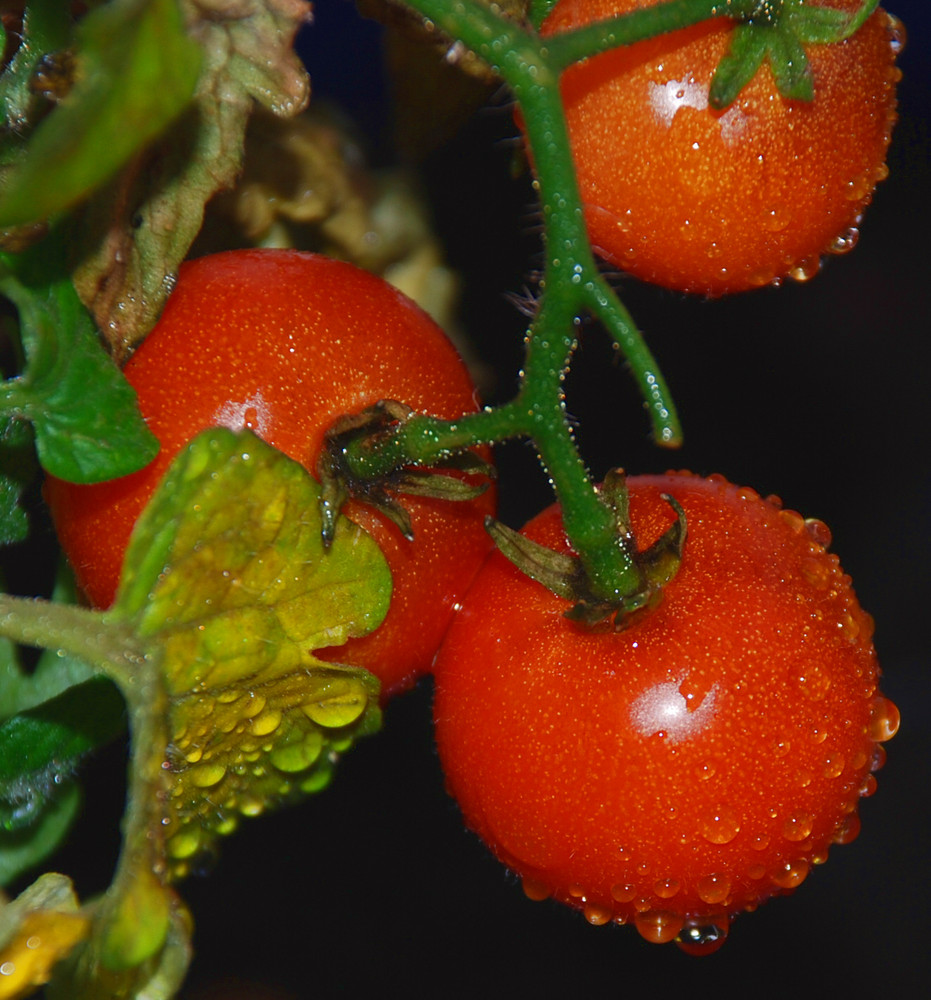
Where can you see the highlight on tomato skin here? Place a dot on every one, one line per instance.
(714, 202)
(686, 769)
(284, 343)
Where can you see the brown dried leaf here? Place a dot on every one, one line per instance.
(133, 235)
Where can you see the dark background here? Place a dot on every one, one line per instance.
(816, 392)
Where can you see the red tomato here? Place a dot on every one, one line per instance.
(683, 770)
(285, 343)
(712, 201)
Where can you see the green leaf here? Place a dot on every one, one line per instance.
(135, 64)
(87, 424)
(17, 470)
(21, 850)
(41, 747)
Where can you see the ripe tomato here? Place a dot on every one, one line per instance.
(284, 343)
(712, 201)
(691, 766)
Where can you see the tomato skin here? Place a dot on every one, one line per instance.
(722, 201)
(284, 343)
(689, 767)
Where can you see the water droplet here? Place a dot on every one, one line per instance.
(666, 888)
(658, 926)
(868, 787)
(253, 707)
(816, 571)
(858, 188)
(814, 683)
(183, 844)
(777, 219)
(798, 826)
(206, 775)
(834, 766)
(576, 892)
(884, 720)
(844, 242)
(847, 830)
(705, 770)
(896, 33)
(251, 807)
(703, 936)
(623, 893)
(805, 269)
(761, 277)
(713, 888)
(266, 723)
(338, 704)
(760, 842)
(596, 915)
(722, 827)
(756, 871)
(793, 520)
(790, 875)
(782, 748)
(878, 759)
(535, 890)
(298, 756)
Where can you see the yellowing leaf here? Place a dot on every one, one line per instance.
(39, 928)
(134, 234)
(230, 588)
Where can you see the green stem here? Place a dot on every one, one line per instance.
(572, 283)
(106, 645)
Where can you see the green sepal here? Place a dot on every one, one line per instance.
(777, 34)
(740, 64)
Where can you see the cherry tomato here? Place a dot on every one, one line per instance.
(712, 201)
(284, 343)
(689, 767)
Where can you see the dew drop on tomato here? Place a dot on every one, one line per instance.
(597, 916)
(703, 937)
(798, 826)
(658, 926)
(666, 888)
(713, 888)
(884, 723)
(844, 242)
(721, 827)
(790, 875)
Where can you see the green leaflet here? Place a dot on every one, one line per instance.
(135, 64)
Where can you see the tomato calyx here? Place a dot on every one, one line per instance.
(372, 430)
(777, 33)
(566, 576)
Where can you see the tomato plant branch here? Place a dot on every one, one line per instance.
(106, 645)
